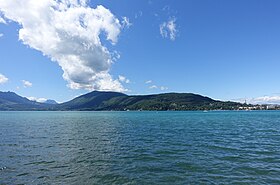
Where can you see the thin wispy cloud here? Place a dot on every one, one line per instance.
(265, 100)
(123, 79)
(272, 99)
(138, 14)
(3, 79)
(69, 32)
(168, 29)
(153, 87)
(26, 83)
(126, 23)
(162, 88)
(2, 20)
(167, 9)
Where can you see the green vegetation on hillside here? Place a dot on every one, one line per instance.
(169, 101)
(97, 101)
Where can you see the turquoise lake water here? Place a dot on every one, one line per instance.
(140, 147)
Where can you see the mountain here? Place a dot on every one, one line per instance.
(91, 101)
(97, 101)
(12, 101)
(170, 101)
(52, 102)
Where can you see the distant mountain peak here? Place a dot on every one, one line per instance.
(52, 102)
(12, 101)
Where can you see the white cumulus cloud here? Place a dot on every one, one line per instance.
(3, 79)
(168, 29)
(1, 35)
(26, 83)
(69, 32)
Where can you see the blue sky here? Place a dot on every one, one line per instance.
(226, 50)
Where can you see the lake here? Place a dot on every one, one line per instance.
(217, 147)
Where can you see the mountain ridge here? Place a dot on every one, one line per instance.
(108, 100)
(12, 101)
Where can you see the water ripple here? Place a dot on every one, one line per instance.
(140, 147)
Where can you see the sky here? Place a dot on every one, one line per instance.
(60, 49)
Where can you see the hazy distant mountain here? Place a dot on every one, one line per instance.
(12, 101)
(97, 101)
(11, 97)
(52, 102)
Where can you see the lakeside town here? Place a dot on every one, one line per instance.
(259, 107)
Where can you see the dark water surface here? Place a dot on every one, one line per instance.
(140, 147)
